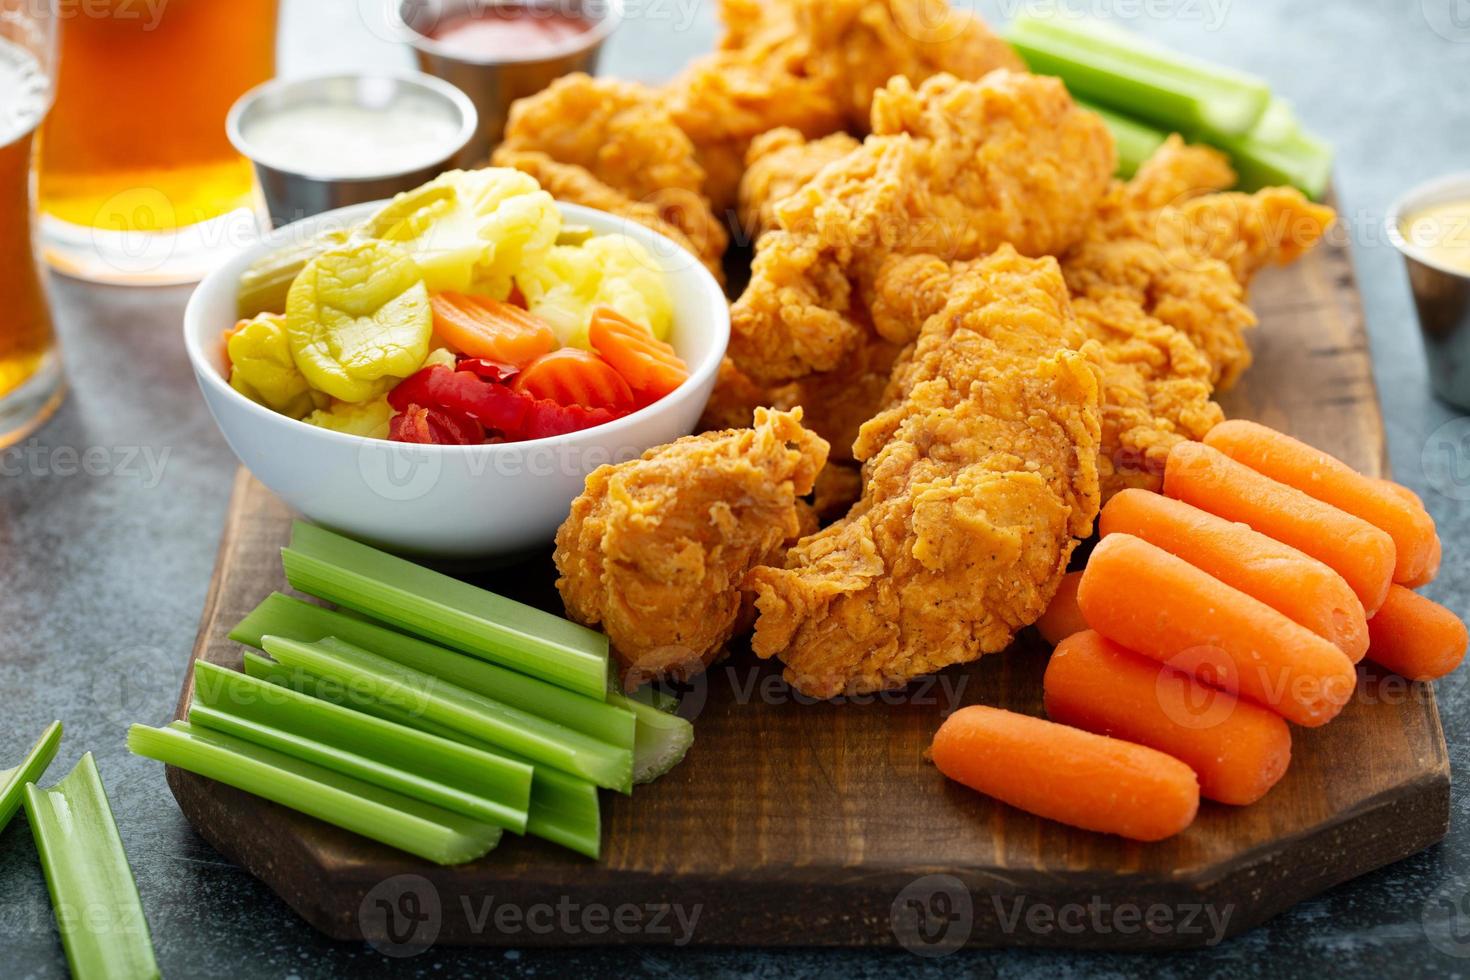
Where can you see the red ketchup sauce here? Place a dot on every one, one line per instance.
(511, 32)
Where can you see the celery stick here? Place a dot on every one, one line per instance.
(564, 809)
(1279, 152)
(542, 741)
(1127, 73)
(446, 610)
(1136, 141)
(13, 781)
(98, 912)
(663, 738)
(428, 831)
(294, 619)
(477, 784)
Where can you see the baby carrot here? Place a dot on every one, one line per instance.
(1315, 473)
(1205, 477)
(1436, 552)
(1302, 588)
(1148, 600)
(1062, 618)
(1065, 774)
(1239, 750)
(1416, 637)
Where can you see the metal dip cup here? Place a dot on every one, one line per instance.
(293, 195)
(494, 84)
(1441, 294)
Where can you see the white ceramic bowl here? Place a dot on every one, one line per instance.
(450, 501)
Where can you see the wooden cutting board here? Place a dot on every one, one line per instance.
(795, 823)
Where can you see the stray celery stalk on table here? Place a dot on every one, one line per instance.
(13, 781)
(98, 912)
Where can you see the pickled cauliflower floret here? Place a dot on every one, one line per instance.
(471, 231)
(368, 419)
(609, 270)
(262, 368)
(358, 320)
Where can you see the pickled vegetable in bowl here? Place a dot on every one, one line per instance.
(463, 312)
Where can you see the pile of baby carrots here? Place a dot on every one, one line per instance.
(1209, 616)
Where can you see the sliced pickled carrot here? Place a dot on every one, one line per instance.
(571, 376)
(649, 365)
(478, 327)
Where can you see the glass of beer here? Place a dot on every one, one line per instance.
(138, 180)
(30, 371)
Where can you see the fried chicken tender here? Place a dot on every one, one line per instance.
(678, 215)
(981, 475)
(860, 45)
(1160, 283)
(613, 146)
(778, 164)
(813, 66)
(655, 549)
(954, 169)
(615, 130)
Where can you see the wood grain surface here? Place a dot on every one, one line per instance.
(798, 823)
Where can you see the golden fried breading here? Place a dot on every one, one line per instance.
(837, 403)
(954, 169)
(981, 474)
(655, 549)
(733, 401)
(682, 217)
(813, 66)
(778, 164)
(860, 45)
(1176, 172)
(617, 131)
(1247, 231)
(1159, 283)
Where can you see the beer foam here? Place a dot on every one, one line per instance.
(25, 92)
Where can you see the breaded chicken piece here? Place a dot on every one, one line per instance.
(954, 169)
(655, 549)
(1160, 283)
(778, 165)
(617, 131)
(981, 475)
(678, 215)
(860, 45)
(613, 146)
(813, 66)
(839, 402)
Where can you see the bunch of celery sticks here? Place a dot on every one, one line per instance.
(423, 712)
(1144, 92)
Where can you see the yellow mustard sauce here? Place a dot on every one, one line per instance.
(1441, 233)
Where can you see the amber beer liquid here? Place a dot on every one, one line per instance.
(25, 327)
(136, 140)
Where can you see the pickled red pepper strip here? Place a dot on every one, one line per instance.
(98, 912)
(446, 610)
(13, 781)
(517, 415)
(564, 809)
(422, 829)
